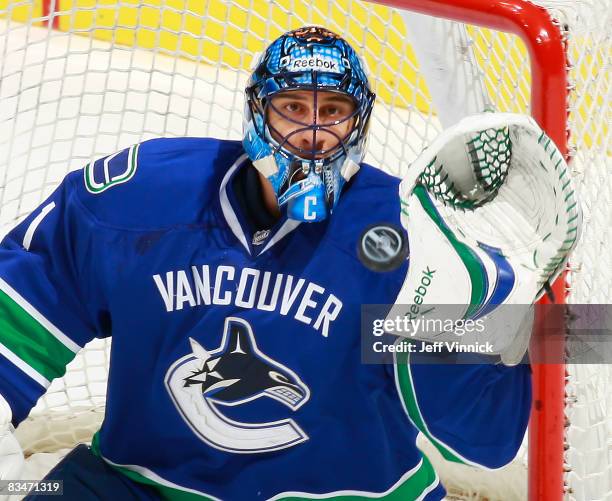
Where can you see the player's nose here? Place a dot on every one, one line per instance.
(311, 140)
(316, 141)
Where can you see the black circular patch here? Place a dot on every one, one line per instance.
(383, 247)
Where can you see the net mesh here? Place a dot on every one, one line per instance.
(111, 75)
(589, 397)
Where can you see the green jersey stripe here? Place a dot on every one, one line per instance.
(31, 337)
(414, 485)
(15, 360)
(38, 317)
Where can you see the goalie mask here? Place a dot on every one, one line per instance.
(307, 175)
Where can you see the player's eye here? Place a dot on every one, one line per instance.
(335, 112)
(294, 108)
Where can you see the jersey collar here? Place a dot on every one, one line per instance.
(237, 223)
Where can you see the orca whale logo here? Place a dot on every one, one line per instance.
(203, 382)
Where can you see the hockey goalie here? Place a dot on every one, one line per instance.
(231, 275)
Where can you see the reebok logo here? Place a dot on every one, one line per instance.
(427, 276)
(314, 63)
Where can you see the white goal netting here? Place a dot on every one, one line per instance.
(93, 78)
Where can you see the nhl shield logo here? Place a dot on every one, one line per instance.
(383, 247)
(203, 383)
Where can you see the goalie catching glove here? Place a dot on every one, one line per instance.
(491, 216)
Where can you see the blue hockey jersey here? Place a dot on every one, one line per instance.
(236, 367)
